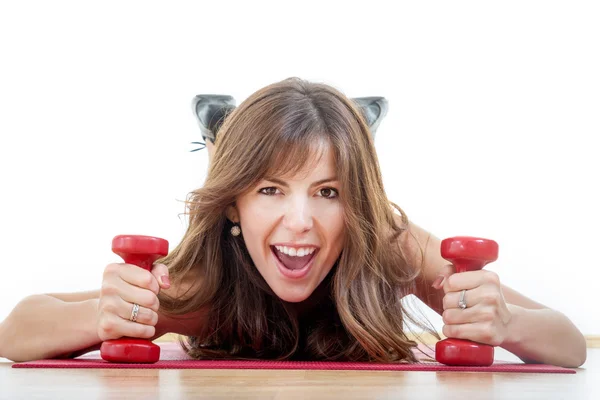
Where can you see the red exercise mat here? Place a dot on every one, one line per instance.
(173, 357)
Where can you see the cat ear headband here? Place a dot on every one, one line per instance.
(211, 109)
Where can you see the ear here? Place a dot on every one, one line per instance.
(232, 214)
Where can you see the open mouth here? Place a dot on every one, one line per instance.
(293, 266)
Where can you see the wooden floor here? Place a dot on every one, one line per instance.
(92, 384)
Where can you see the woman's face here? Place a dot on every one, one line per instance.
(293, 228)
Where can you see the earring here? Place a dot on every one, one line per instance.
(236, 230)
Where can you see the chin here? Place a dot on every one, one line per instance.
(293, 297)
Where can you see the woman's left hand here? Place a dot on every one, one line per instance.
(486, 318)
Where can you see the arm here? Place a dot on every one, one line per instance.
(530, 330)
(42, 326)
(65, 325)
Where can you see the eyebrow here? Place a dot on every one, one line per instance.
(317, 183)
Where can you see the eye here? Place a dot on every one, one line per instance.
(269, 191)
(329, 193)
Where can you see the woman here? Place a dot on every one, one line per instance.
(293, 251)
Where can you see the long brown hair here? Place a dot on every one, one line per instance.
(361, 317)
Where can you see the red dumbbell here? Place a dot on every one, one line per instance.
(467, 254)
(142, 251)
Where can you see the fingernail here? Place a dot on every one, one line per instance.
(165, 280)
(438, 282)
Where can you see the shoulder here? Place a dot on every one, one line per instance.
(422, 253)
(185, 287)
(170, 320)
(421, 249)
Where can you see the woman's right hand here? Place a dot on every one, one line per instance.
(122, 286)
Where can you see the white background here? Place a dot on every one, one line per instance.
(492, 129)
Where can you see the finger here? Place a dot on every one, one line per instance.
(139, 277)
(481, 332)
(161, 274)
(472, 297)
(112, 326)
(443, 275)
(133, 329)
(487, 294)
(145, 315)
(480, 313)
(133, 294)
(468, 280)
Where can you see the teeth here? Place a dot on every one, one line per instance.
(290, 251)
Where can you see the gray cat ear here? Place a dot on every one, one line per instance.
(210, 111)
(374, 109)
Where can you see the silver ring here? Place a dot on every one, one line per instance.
(134, 312)
(462, 304)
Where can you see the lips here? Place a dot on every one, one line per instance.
(293, 262)
(293, 273)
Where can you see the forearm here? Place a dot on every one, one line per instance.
(545, 336)
(42, 326)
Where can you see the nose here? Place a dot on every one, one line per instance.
(298, 216)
